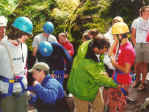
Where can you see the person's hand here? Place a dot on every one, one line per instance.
(35, 83)
(66, 76)
(119, 86)
(53, 75)
(106, 74)
(115, 38)
(113, 60)
(28, 94)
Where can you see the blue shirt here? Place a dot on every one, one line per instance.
(49, 91)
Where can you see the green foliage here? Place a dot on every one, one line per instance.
(72, 16)
(40, 11)
(8, 6)
(88, 16)
(62, 13)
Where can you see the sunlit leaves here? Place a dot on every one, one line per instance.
(8, 6)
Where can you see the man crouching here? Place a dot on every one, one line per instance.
(47, 94)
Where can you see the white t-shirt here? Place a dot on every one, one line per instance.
(108, 35)
(19, 57)
(39, 38)
(4, 38)
(106, 61)
(142, 27)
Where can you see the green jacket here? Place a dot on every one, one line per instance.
(87, 76)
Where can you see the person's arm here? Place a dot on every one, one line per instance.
(126, 69)
(48, 95)
(133, 31)
(113, 48)
(129, 58)
(147, 37)
(99, 76)
(133, 36)
(35, 46)
(67, 57)
(34, 51)
(70, 49)
(32, 97)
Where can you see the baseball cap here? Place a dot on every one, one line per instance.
(41, 66)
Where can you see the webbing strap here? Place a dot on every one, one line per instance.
(11, 81)
(10, 89)
(11, 84)
(59, 75)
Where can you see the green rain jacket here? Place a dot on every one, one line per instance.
(87, 76)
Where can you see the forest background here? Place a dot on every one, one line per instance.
(71, 16)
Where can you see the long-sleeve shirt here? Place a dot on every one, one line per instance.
(87, 74)
(49, 91)
(69, 47)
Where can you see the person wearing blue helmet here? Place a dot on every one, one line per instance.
(13, 82)
(48, 28)
(55, 56)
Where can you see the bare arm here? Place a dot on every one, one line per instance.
(34, 51)
(133, 36)
(114, 45)
(129, 58)
(126, 69)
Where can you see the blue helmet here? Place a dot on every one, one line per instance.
(24, 24)
(45, 48)
(48, 27)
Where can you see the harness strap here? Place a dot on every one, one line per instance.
(59, 75)
(11, 85)
(12, 81)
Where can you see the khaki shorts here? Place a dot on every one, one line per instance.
(142, 52)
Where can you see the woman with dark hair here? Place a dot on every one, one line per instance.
(88, 75)
(13, 82)
(123, 60)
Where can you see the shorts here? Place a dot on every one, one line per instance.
(142, 52)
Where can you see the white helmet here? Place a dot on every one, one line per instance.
(3, 21)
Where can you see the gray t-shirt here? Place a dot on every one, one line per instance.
(18, 55)
(39, 38)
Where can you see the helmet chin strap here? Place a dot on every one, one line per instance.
(123, 37)
(120, 40)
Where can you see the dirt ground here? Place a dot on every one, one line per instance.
(140, 98)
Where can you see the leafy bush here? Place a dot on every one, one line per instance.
(72, 16)
(8, 6)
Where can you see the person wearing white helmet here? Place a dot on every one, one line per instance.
(3, 24)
